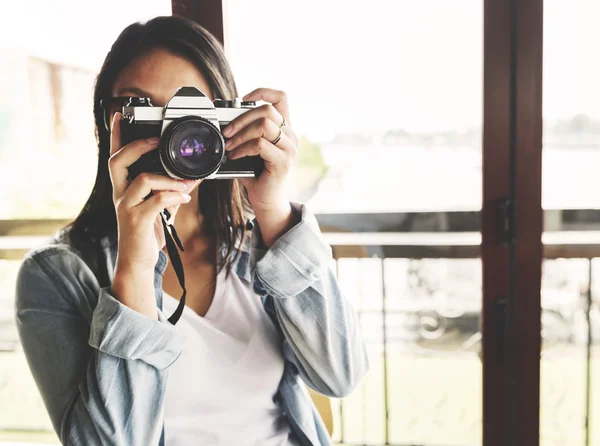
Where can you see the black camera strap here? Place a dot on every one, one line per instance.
(173, 242)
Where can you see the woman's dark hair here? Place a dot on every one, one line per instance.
(223, 203)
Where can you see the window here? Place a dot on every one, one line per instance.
(49, 55)
(387, 99)
(46, 120)
(571, 156)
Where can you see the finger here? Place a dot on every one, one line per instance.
(261, 128)
(115, 134)
(264, 111)
(252, 148)
(276, 97)
(125, 157)
(276, 160)
(190, 186)
(154, 205)
(145, 183)
(119, 183)
(172, 212)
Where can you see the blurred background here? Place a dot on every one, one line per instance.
(388, 100)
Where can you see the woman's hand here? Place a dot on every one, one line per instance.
(140, 231)
(266, 131)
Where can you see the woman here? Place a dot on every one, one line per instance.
(263, 309)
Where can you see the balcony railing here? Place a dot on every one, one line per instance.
(430, 327)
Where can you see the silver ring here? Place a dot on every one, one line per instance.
(284, 123)
(279, 137)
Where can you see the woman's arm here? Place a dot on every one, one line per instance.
(321, 330)
(319, 325)
(101, 369)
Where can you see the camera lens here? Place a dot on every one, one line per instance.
(193, 148)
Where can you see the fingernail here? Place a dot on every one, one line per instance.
(228, 144)
(153, 140)
(227, 131)
(186, 197)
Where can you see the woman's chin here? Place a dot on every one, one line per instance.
(192, 185)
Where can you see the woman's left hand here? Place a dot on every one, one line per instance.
(265, 131)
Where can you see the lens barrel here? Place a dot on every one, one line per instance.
(192, 148)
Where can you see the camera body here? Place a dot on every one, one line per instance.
(191, 143)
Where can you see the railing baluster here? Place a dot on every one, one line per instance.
(363, 393)
(341, 401)
(385, 357)
(588, 368)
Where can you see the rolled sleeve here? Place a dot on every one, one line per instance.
(123, 332)
(295, 261)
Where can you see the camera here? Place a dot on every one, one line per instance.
(191, 143)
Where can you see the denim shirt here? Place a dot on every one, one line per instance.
(102, 367)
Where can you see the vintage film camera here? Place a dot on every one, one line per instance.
(191, 144)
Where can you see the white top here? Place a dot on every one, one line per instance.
(220, 390)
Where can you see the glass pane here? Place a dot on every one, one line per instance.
(48, 152)
(564, 337)
(569, 195)
(22, 408)
(432, 324)
(388, 102)
(46, 120)
(386, 98)
(593, 324)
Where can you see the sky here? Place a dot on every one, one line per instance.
(406, 64)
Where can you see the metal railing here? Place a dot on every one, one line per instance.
(451, 246)
(383, 246)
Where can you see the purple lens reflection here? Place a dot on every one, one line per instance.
(191, 147)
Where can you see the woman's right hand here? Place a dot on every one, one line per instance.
(140, 231)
